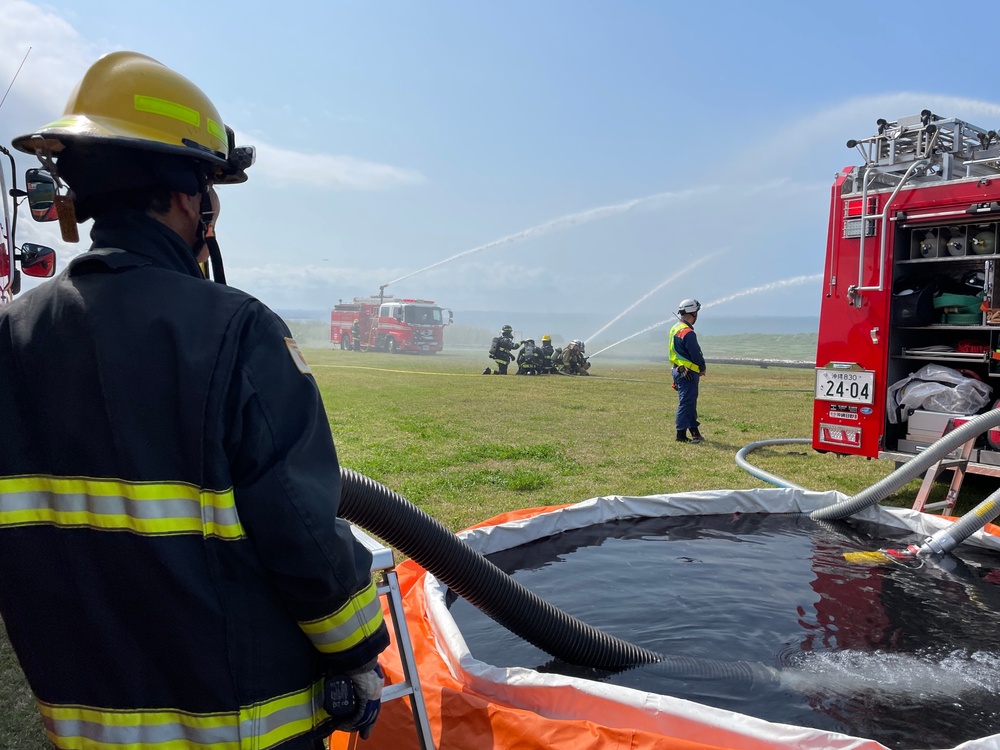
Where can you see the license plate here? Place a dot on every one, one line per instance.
(847, 386)
(425, 348)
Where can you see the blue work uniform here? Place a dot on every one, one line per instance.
(686, 357)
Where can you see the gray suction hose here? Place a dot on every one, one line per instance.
(392, 518)
(910, 470)
(774, 479)
(948, 538)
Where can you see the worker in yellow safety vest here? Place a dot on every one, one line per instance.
(687, 368)
(173, 572)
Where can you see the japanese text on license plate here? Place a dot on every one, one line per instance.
(850, 386)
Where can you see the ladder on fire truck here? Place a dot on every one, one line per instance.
(960, 465)
(923, 148)
(387, 585)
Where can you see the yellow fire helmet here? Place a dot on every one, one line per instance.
(546, 337)
(131, 100)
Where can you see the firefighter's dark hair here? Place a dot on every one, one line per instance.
(103, 177)
(153, 199)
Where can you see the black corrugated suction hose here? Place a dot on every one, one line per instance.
(392, 518)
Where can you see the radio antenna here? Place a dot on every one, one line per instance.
(15, 76)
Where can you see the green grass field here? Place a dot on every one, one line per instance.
(465, 447)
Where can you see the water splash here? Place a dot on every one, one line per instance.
(851, 672)
(564, 222)
(650, 293)
(745, 293)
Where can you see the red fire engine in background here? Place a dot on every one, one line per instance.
(390, 325)
(910, 279)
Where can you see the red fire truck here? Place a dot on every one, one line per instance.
(389, 324)
(910, 280)
(31, 259)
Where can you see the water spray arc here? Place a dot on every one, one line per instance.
(796, 281)
(562, 222)
(673, 277)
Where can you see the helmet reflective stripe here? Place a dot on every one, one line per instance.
(348, 626)
(147, 509)
(156, 106)
(268, 723)
(179, 112)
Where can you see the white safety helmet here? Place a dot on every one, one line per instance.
(688, 307)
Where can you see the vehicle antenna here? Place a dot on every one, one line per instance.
(16, 72)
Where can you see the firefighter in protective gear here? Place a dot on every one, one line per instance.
(529, 359)
(356, 335)
(687, 367)
(172, 567)
(548, 355)
(501, 349)
(573, 361)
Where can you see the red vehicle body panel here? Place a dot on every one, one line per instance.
(857, 333)
(418, 329)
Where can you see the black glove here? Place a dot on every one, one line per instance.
(354, 700)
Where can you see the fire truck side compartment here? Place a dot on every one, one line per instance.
(912, 235)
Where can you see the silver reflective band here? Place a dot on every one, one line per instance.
(148, 509)
(263, 726)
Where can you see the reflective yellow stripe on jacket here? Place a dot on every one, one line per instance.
(675, 359)
(349, 625)
(260, 726)
(150, 509)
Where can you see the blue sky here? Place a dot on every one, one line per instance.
(593, 151)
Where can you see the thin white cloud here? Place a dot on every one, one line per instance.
(281, 167)
(57, 60)
(498, 275)
(806, 143)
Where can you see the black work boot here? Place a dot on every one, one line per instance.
(486, 371)
(696, 436)
(682, 436)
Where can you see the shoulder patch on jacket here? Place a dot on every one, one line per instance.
(297, 358)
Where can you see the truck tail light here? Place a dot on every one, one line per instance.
(836, 434)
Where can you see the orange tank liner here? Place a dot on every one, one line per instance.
(461, 719)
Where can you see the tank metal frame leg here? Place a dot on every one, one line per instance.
(387, 585)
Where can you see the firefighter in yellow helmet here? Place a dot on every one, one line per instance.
(548, 355)
(197, 588)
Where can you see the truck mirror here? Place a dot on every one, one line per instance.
(38, 260)
(41, 189)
